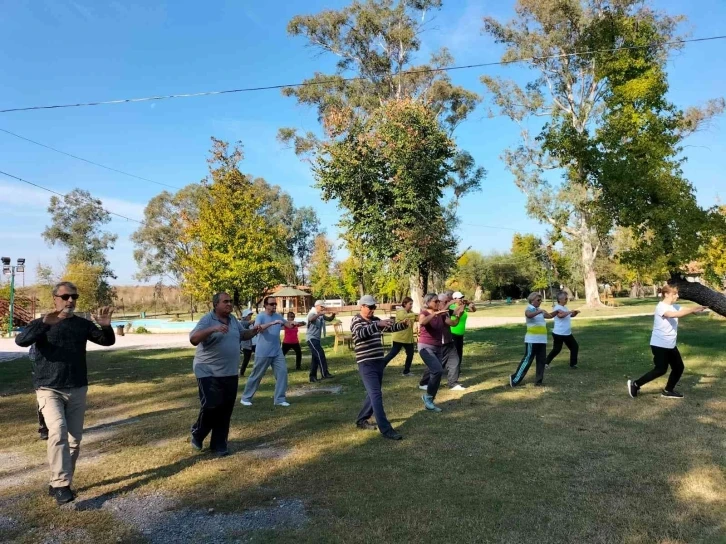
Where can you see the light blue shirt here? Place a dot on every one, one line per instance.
(268, 341)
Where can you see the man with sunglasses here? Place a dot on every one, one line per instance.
(60, 379)
(217, 337)
(366, 330)
(269, 353)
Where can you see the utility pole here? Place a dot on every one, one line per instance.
(9, 270)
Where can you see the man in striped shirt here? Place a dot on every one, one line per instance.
(367, 330)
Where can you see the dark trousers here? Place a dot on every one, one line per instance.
(459, 345)
(662, 359)
(217, 397)
(531, 351)
(450, 361)
(431, 356)
(318, 358)
(42, 427)
(372, 375)
(298, 353)
(246, 356)
(569, 341)
(395, 349)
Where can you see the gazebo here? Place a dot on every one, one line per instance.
(292, 299)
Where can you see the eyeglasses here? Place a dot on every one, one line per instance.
(370, 306)
(74, 296)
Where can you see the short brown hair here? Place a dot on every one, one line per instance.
(669, 290)
(406, 300)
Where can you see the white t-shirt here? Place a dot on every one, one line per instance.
(536, 328)
(563, 325)
(665, 329)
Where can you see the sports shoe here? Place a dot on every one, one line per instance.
(245, 402)
(428, 401)
(196, 444)
(313, 379)
(457, 387)
(367, 426)
(671, 394)
(511, 382)
(423, 387)
(633, 389)
(328, 376)
(63, 495)
(407, 374)
(284, 404)
(547, 367)
(573, 367)
(392, 435)
(43, 435)
(221, 453)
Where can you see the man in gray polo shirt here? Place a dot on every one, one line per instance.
(217, 337)
(316, 329)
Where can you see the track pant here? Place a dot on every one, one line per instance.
(318, 359)
(531, 351)
(298, 353)
(450, 361)
(246, 356)
(662, 359)
(63, 411)
(372, 375)
(569, 341)
(216, 398)
(395, 349)
(431, 356)
(459, 345)
(279, 369)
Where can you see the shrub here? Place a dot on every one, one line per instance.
(142, 330)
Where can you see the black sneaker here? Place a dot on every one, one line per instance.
(392, 435)
(63, 495)
(328, 376)
(671, 394)
(538, 384)
(633, 389)
(196, 444)
(221, 453)
(313, 379)
(43, 435)
(367, 425)
(547, 366)
(573, 367)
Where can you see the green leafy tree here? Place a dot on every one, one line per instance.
(44, 282)
(713, 257)
(86, 277)
(376, 42)
(323, 280)
(76, 224)
(234, 244)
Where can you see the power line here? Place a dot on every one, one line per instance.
(86, 160)
(61, 194)
(336, 80)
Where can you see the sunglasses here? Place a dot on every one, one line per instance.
(74, 296)
(371, 306)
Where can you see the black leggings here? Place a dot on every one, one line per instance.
(395, 349)
(298, 353)
(246, 356)
(571, 344)
(662, 358)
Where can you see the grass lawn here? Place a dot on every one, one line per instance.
(577, 461)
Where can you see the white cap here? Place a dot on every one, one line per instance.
(367, 300)
(319, 303)
(457, 295)
(246, 312)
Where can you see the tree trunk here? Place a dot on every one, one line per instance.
(592, 296)
(417, 292)
(477, 293)
(698, 293)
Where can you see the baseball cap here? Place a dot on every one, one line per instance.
(366, 300)
(319, 303)
(246, 312)
(457, 295)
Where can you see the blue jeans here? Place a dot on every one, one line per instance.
(372, 375)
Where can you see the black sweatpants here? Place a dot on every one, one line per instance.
(42, 427)
(372, 375)
(318, 359)
(298, 353)
(450, 361)
(246, 356)
(459, 345)
(662, 359)
(531, 352)
(217, 397)
(569, 341)
(395, 349)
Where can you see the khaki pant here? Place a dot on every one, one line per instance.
(63, 410)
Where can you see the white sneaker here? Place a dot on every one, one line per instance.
(245, 402)
(423, 387)
(285, 404)
(457, 387)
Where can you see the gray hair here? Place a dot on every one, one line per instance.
(443, 297)
(561, 294)
(67, 284)
(216, 297)
(449, 293)
(429, 297)
(532, 296)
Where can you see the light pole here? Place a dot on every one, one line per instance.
(9, 270)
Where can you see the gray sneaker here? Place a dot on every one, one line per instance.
(428, 401)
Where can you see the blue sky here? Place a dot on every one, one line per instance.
(64, 51)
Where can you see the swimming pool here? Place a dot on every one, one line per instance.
(163, 324)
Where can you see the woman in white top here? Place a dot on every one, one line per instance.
(535, 341)
(663, 345)
(562, 333)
